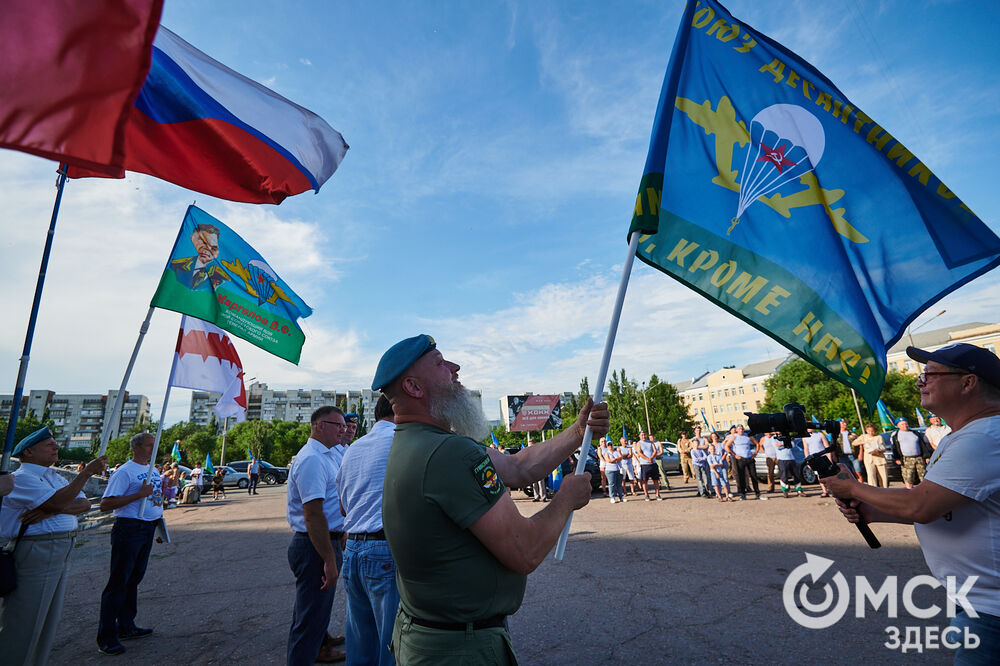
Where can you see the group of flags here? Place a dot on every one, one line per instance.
(102, 87)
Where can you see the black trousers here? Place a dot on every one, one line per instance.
(254, 480)
(131, 541)
(745, 469)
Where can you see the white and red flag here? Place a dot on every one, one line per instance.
(206, 360)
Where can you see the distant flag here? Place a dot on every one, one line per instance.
(214, 275)
(209, 467)
(624, 433)
(920, 418)
(198, 124)
(250, 454)
(769, 192)
(69, 73)
(885, 417)
(705, 419)
(206, 360)
(496, 442)
(176, 452)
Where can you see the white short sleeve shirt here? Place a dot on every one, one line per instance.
(314, 476)
(966, 541)
(127, 480)
(33, 486)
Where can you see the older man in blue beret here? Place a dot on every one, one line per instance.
(40, 514)
(462, 549)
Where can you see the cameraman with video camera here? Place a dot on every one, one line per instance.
(955, 510)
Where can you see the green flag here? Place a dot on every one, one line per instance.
(214, 275)
(208, 464)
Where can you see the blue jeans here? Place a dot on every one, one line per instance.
(987, 628)
(849, 460)
(131, 541)
(372, 599)
(311, 614)
(701, 474)
(614, 483)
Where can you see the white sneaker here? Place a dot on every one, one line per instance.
(614, 501)
(624, 499)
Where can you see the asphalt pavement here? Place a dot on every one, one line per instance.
(684, 580)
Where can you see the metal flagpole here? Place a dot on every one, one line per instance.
(159, 431)
(225, 428)
(120, 398)
(602, 375)
(22, 371)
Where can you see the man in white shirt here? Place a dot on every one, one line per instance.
(935, 432)
(369, 570)
(770, 446)
(815, 442)
(46, 505)
(315, 552)
(131, 543)
(197, 475)
(955, 510)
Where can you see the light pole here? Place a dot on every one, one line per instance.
(645, 405)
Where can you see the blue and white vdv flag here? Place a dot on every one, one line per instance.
(770, 193)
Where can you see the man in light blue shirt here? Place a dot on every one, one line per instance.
(315, 554)
(369, 570)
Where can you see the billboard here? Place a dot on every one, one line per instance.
(532, 412)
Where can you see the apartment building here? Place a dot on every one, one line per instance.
(79, 417)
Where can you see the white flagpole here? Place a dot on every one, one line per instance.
(159, 427)
(861, 421)
(602, 375)
(120, 398)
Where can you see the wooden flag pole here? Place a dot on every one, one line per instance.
(22, 371)
(602, 375)
(116, 412)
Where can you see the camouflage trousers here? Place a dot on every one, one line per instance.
(913, 469)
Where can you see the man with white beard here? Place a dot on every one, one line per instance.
(462, 549)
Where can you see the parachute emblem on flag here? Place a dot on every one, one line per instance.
(786, 142)
(263, 280)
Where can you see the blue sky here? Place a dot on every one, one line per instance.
(496, 149)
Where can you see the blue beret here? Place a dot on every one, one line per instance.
(352, 418)
(399, 357)
(39, 435)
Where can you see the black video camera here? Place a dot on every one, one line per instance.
(792, 423)
(789, 423)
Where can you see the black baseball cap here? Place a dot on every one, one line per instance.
(975, 360)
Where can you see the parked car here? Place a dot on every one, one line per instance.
(269, 474)
(233, 478)
(670, 459)
(805, 472)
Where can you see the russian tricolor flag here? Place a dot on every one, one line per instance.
(200, 125)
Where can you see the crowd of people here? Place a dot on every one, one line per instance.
(416, 519)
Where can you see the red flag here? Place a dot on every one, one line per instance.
(206, 360)
(69, 72)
